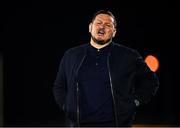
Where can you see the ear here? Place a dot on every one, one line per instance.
(114, 33)
(90, 27)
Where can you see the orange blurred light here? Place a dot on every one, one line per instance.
(152, 62)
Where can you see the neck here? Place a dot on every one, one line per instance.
(98, 46)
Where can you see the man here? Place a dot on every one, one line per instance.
(101, 83)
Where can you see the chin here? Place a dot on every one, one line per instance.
(99, 41)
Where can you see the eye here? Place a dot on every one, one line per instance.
(108, 25)
(98, 23)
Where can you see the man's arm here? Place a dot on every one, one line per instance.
(59, 88)
(147, 82)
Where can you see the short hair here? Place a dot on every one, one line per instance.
(105, 12)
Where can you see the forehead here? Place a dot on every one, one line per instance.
(104, 17)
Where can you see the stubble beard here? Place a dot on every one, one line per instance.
(100, 42)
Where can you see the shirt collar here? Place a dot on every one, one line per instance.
(105, 49)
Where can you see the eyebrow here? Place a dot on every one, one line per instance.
(107, 23)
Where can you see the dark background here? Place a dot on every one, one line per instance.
(36, 34)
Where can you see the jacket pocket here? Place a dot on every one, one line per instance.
(126, 105)
(126, 109)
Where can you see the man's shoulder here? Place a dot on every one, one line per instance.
(77, 49)
(125, 51)
(123, 48)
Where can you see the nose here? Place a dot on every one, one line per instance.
(101, 26)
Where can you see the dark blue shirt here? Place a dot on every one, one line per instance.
(96, 103)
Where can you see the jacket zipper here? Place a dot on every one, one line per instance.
(78, 114)
(77, 95)
(112, 92)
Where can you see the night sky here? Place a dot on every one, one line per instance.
(36, 34)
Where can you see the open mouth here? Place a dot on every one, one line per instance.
(101, 32)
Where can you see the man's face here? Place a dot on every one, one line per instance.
(102, 29)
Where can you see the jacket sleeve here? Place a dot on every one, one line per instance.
(147, 83)
(59, 88)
